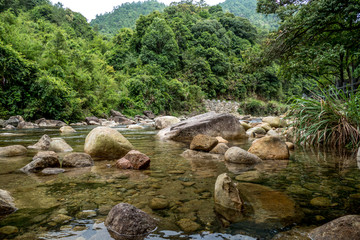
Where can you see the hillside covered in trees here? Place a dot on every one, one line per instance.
(54, 65)
(124, 15)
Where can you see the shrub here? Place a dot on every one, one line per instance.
(257, 107)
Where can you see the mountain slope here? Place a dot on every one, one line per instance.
(124, 15)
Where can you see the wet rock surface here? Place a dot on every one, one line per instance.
(7, 205)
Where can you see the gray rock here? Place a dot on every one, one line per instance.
(14, 121)
(239, 155)
(343, 228)
(149, 114)
(2, 123)
(27, 125)
(10, 127)
(7, 205)
(77, 160)
(122, 120)
(125, 219)
(92, 120)
(42, 160)
(165, 121)
(104, 142)
(221, 148)
(67, 129)
(11, 151)
(52, 171)
(42, 144)
(211, 124)
(115, 113)
(42, 122)
(255, 130)
(59, 145)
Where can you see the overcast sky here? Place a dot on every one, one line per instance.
(89, 8)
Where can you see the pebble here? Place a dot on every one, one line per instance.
(7, 230)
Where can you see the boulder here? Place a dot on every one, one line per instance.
(203, 143)
(149, 114)
(227, 199)
(137, 160)
(271, 148)
(12, 151)
(10, 127)
(77, 160)
(122, 120)
(52, 171)
(343, 228)
(245, 125)
(123, 163)
(2, 123)
(7, 205)
(59, 145)
(27, 125)
(42, 122)
(115, 113)
(166, 121)
(252, 132)
(201, 155)
(188, 225)
(42, 144)
(221, 148)
(239, 155)
(126, 220)
(42, 160)
(273, 121)
(92, 120)
(104, 142)
(14, 120)
(67, 129)
(266, 205)
(211, 124)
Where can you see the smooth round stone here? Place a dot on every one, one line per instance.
(7, 230)
(188, 225)
(321, 202)
(158, 203)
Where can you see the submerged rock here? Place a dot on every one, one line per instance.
(136, 159)
(211, 124)
(165, 121)
(201, 155)
(239, 155)
(271, 148)
(203, 143)
(77, 160)
(104, 142)
(158, 203)
(187, 225)
(7, 205)
(227, 198)
(343, 228)
(12, 151)
(125, 220)
(52, 171)
(42, 160)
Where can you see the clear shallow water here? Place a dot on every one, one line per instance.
(84, 196)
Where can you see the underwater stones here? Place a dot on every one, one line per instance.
(227, 198)
(203, 142)
(59, 145)
(12, 151)
(104, 142)
(321, 202)
(77, 160)
(271, 148)
(42, 160)
(249, 176)
(201, 155)
(187, 225)
(52, 171)
(7, 205)
(343, 228)
(133, 160)
(125, 219)
(268, 205)
(221, 148)
(8, 230)
(42, 144)
(158, 203)
(165, 121)
(211, 124)
(67, 129)
(239, 155)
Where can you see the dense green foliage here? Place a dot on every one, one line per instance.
(247, 9)
(124, 16)
(329, 118)
(256, 107)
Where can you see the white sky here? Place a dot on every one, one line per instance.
(89, 8)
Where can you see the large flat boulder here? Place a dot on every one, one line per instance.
(13, 150)
(106, 143)
(343, 228)
(211, 124)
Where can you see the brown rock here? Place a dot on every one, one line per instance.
(67, 129)
(125, 219)
(290, 145)
(11, 151)
(221, 148)
(271, 148)
(42, 160)
(343, 228)
(137, 160)
(222, 140)
(123, 164)
(203, 143)
(239, 155)
(77, 160)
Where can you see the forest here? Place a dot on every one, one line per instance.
(54, 64)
